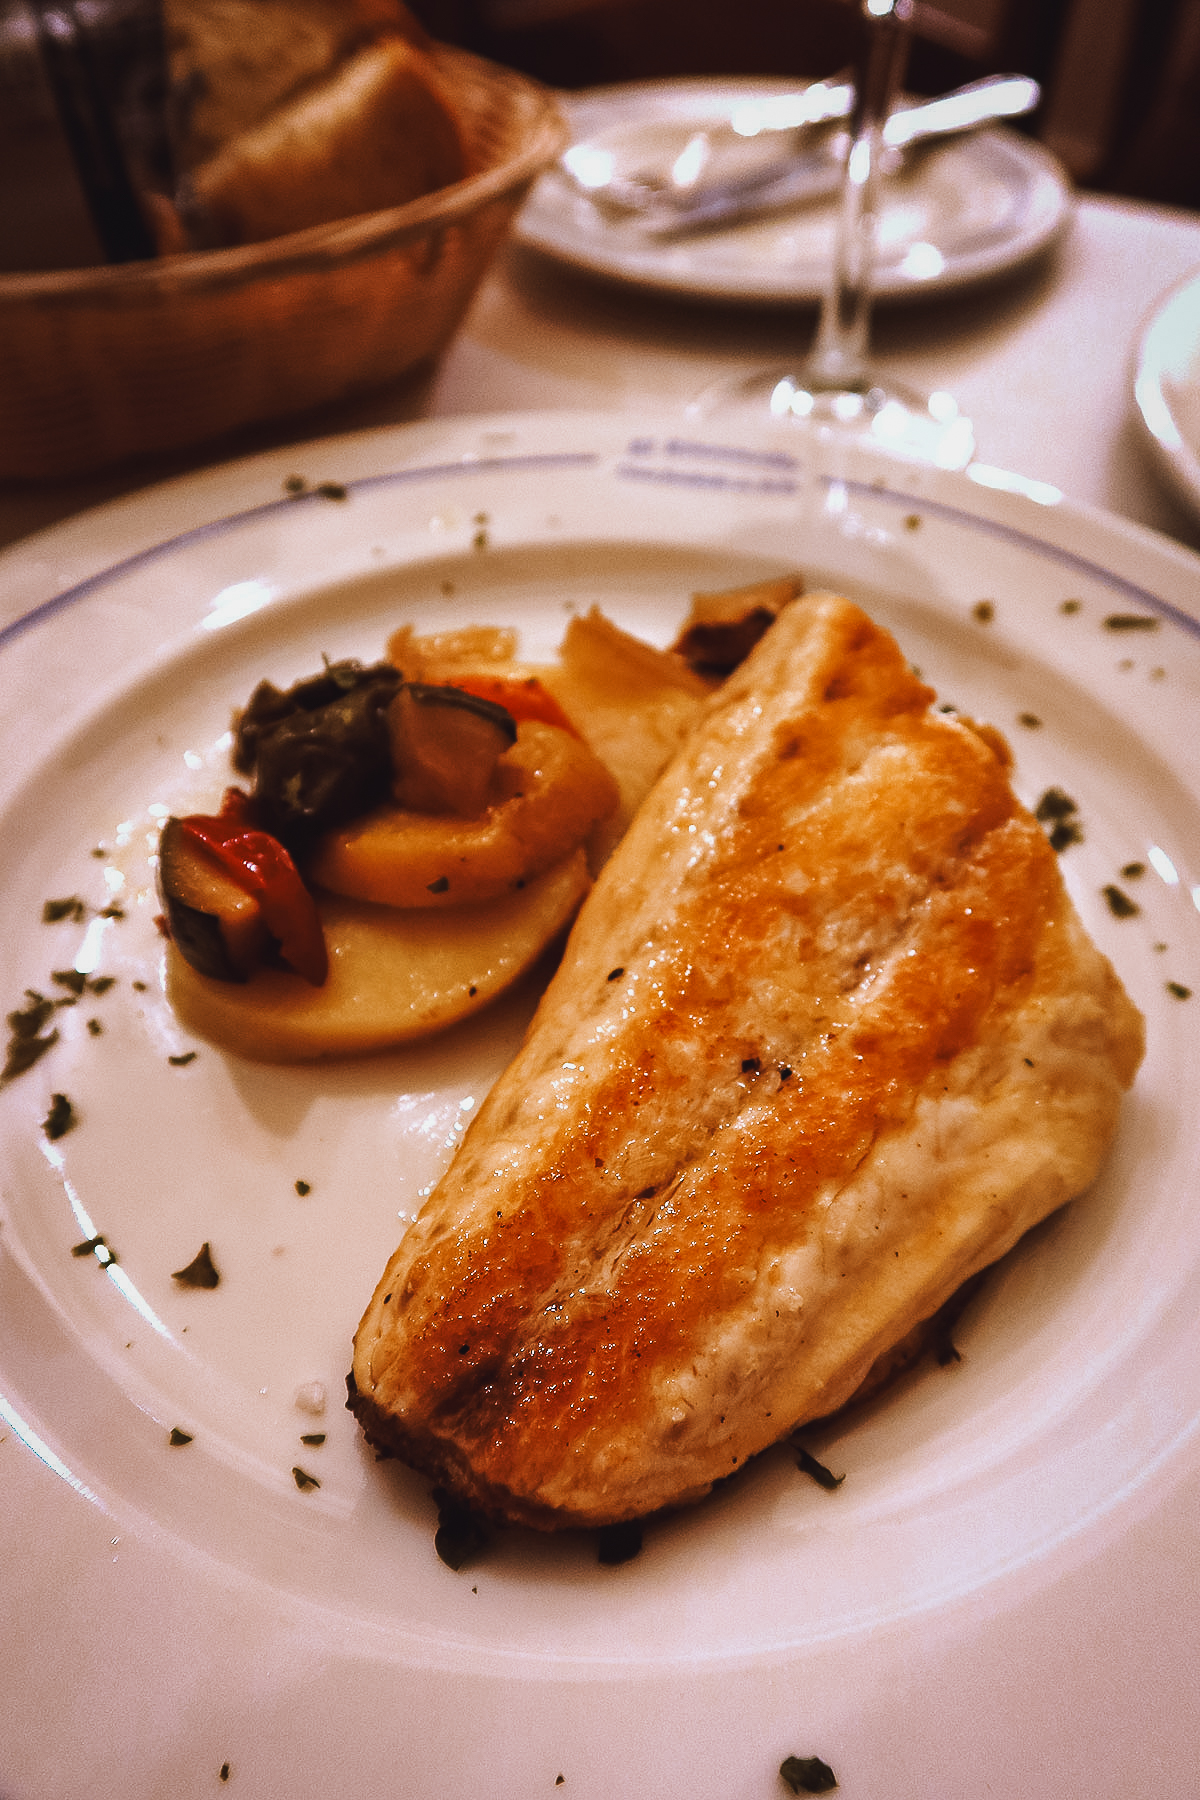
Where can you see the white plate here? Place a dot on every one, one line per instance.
(963, 210)
(1003, 1590)
(1166, 385)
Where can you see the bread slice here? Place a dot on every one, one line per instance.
(827, 1038)
(377, 132)
(234, 62)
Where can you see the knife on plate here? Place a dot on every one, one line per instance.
(796, 177)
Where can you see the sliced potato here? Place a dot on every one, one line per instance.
(554, 791)
(440, 655)
(393, 975)
(633, 704)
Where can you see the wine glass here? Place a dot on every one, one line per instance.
(835, 387)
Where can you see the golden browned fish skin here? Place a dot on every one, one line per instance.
(827, 1038)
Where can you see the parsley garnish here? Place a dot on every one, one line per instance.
(1060, 812)
(60, 1118)
(96, 1247)
(1130, 622)
(28, 1041)
(201, 1272)
(1119, 904)
(808, 1464)
(808, 1775)
(71, 907)
(304, 1481)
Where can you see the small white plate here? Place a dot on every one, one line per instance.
(1001, 1596)
(1166, 387)
(961, 211)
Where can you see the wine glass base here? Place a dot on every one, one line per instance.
(869, 409)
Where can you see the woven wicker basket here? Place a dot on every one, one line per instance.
(101, 365)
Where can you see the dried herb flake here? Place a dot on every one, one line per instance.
(1130, 622)
(807, 1463)
(313, 1437)
(1177, 989)
(28, 1041)
(201, 1272)
(72, 907)
(97, 1247)
(1060, 812)
(183, 1059)
(60, 1119)
(304, 1481)
(179, 1437)
(303, 1188)
(1119, 903)
(808, 1775)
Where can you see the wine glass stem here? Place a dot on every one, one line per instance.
(839, 356)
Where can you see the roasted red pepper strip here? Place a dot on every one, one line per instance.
(261, 866)
(521, 695)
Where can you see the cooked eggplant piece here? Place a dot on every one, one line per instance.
(722, 629)
(445, 746)
(217, 927)
(319, 750)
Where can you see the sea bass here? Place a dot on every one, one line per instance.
(827, 1037)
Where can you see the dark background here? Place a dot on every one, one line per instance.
(1120, 78)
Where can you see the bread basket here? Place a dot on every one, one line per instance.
(103, 365)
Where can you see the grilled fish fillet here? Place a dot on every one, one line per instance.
(827, 1038)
